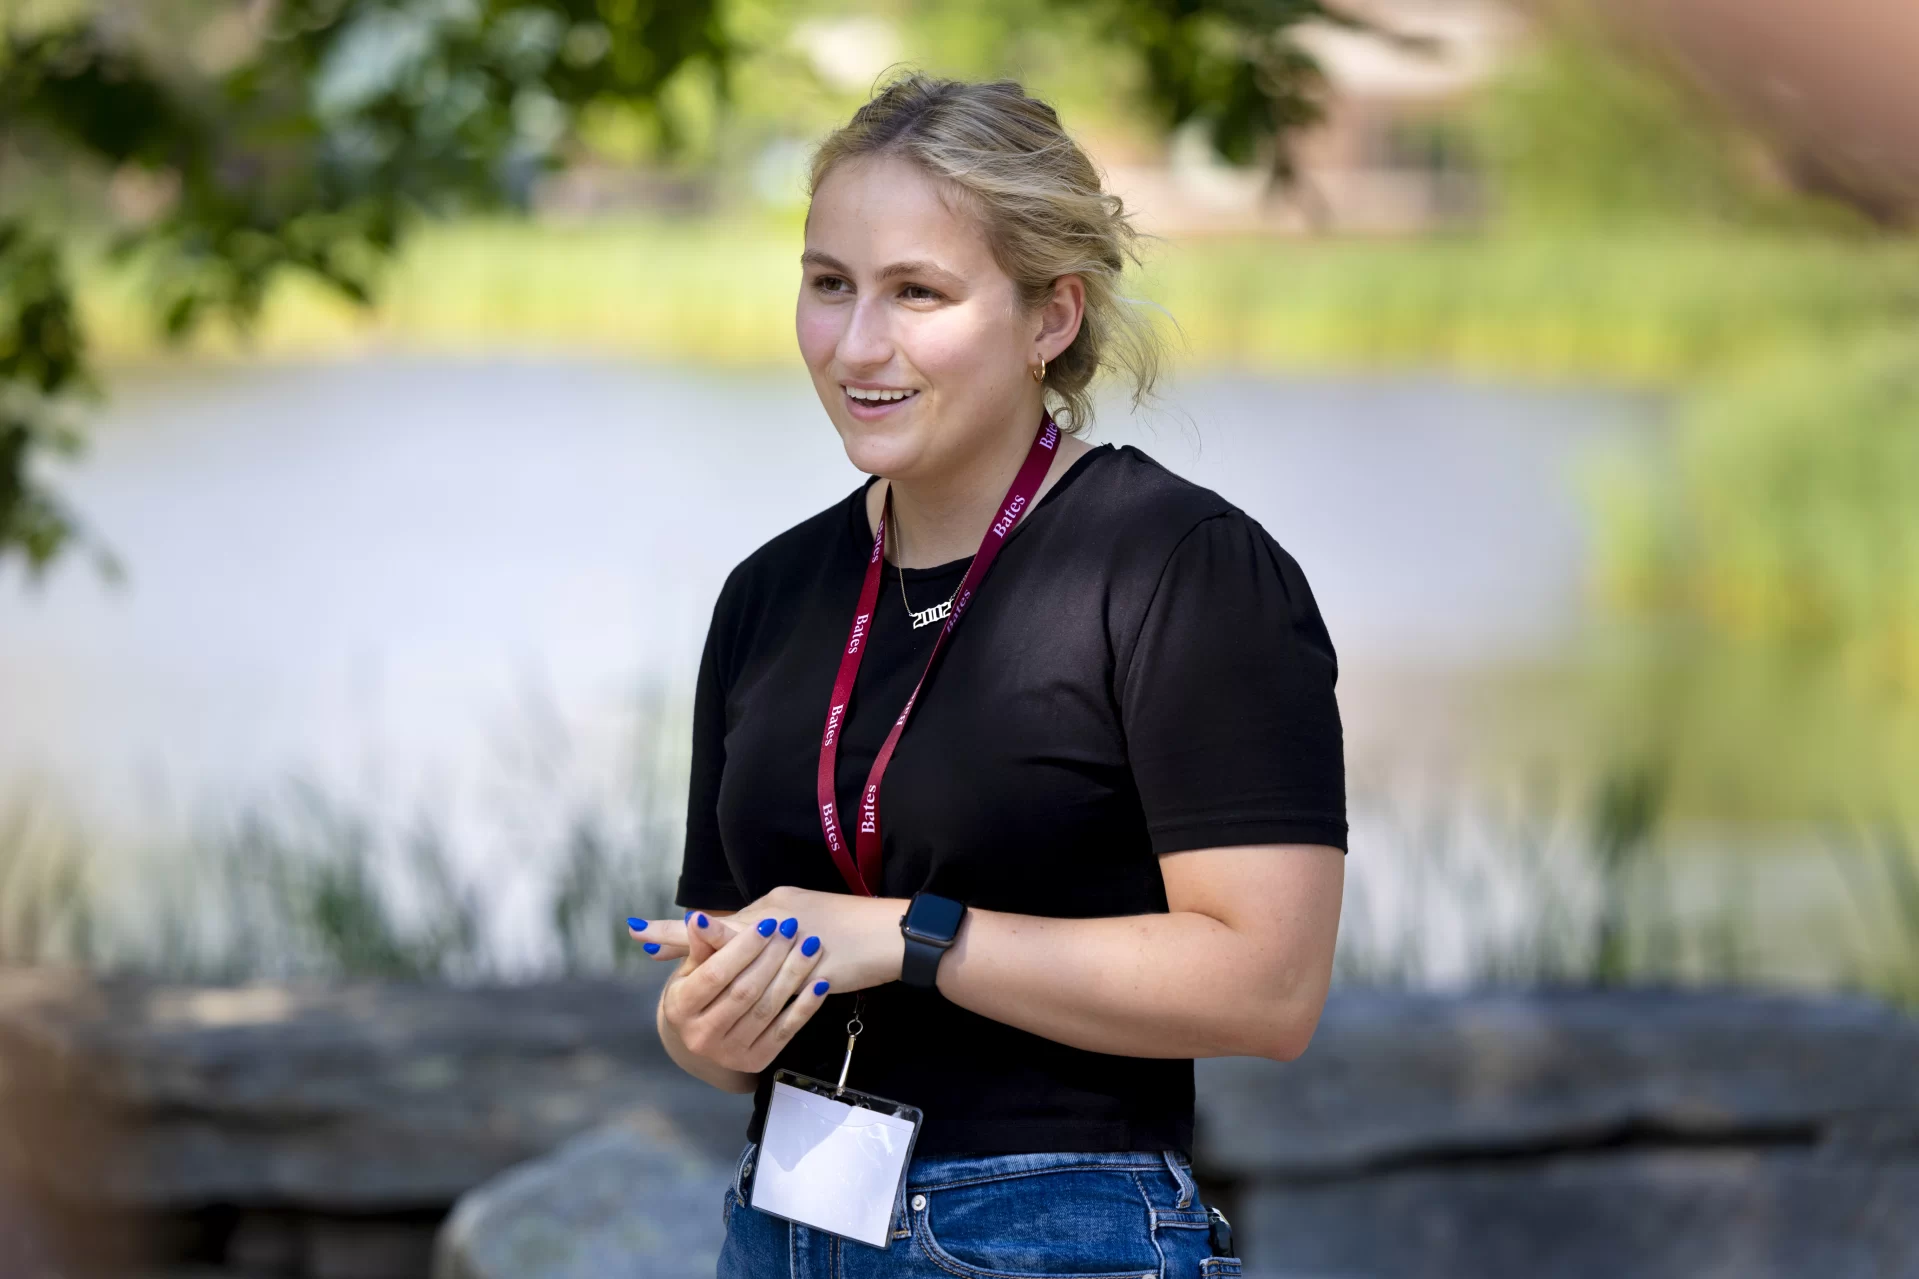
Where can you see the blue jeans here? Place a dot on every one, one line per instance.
(1132, 1215)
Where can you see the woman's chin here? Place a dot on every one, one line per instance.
(879, 450)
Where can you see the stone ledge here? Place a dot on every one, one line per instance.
(326, 1131)
(351, 1099)
(1724, 1214)
(1393, 1079)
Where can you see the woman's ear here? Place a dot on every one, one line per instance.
(1060, 316)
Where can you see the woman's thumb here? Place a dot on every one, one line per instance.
(704, 935)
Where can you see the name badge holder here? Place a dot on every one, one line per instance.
(830, 1157)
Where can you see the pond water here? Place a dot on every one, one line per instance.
(440, 583)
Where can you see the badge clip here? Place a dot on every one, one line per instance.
(853, 1028)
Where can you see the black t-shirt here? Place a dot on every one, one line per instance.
(1143, 671)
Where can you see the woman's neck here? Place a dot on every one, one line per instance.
(940, 519)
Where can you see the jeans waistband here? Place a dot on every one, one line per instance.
(966, 1167)
(934, 1171)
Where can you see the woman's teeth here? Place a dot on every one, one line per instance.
(877, 397)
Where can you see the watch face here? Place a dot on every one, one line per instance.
(937, 917)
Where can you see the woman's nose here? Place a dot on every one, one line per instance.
(867, 340)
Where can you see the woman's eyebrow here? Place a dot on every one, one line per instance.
(920, 267)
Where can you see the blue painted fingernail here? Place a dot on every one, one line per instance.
(819, 988)
(788, 927)
(810, 945)
(684, 918)
(767, 926)
(700, 920)
(637, 925)
(651, 947)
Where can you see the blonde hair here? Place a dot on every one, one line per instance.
(1040, 203)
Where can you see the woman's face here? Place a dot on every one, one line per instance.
(901, 296)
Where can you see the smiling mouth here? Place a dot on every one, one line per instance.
(877, 398)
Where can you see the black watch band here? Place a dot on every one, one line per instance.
(920, 965)
(928, 928)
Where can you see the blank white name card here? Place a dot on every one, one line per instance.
(831, 1165)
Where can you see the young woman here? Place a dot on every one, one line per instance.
(1114, 809)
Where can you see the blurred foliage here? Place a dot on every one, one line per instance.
(598, 871)
(1883, 873)
(1796, 518)
(306, 892)
(41, 360)
(1772, 575)
(299, 885)
(1233, 67)
(1761, 567)
(292, 137)
(804, 66)
(1662, 307)
(307, 880)
(1550, 876)
(1625, 817)
(46, 906)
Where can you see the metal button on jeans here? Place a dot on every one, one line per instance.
(919, 1203)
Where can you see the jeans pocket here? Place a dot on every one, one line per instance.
(1219, 1268)
(736, 1189)
(1062, 1223)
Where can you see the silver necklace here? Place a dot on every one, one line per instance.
(919, 616)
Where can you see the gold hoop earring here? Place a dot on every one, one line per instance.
(1039, 374)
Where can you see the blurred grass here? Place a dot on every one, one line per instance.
(305, 879)
(1562, 879)
(1653, 307)
(305, 882)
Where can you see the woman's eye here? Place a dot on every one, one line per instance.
(829, 283)
(918, 293)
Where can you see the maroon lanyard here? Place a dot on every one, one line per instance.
(864, 877)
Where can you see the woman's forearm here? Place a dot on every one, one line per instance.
(737, 1081)
(1173, 985)
(1239, 966)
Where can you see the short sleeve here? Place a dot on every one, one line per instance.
(1232, 728)
(706, 880)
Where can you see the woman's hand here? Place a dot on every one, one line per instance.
(740, 994)
(746, 985)
(861, 935)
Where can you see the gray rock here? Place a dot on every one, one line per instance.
(352, 1099)
(623, 1200)
(1395, 1077)
(1698, 1214)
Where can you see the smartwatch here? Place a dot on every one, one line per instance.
(929, 926)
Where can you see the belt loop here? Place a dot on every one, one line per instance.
(742, 1169)
(1188, 1191)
